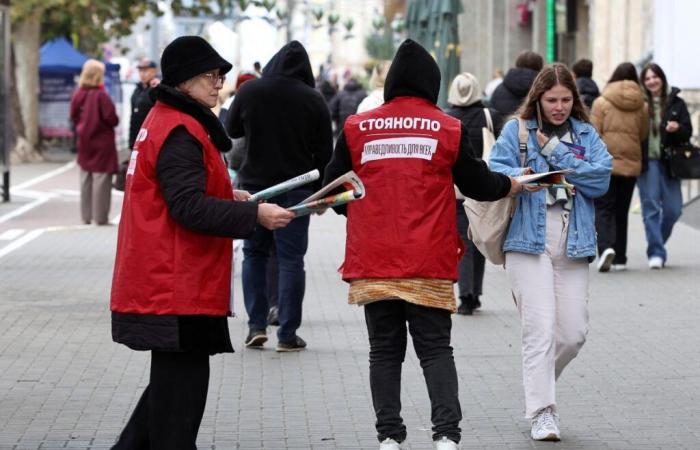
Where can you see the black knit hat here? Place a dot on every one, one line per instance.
(188, 56)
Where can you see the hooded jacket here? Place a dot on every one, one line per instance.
(345, 103)
(508, 96)
(621, 118)
(588, 90)
(408, 154)
(285, 121)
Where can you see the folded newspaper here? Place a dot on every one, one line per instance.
(554, 179)
(344, 189)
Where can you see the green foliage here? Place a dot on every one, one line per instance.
(381, 45)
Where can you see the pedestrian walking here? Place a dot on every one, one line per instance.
(466, 105)
(620, 115)
(587, 88)
(495, 81)
(551, 238)
(287, 130)
(94, 116)
(172, 274)
(345, 102)
(376, 83)
(512, 91)
(402, 245)
(659, 190)
(141, 102)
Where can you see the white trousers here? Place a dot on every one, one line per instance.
(551, 291)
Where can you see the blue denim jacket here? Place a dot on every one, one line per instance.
(591, 177)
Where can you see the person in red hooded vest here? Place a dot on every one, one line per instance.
(172, 274)
(402, 245)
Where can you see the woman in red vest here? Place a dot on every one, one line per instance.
(402, 245)
(172, 274)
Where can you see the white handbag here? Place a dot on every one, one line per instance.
(489, 221)
(488, 137)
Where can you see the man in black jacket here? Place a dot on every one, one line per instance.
(508, 96)
(587, 88)
(141, 102)
(287, 127)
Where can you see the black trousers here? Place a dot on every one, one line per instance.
(168, 415)
(430, 329)
(611, 214)
(473, 264)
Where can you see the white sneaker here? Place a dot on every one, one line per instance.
(605, 260)
(545, 426)
(618, 267)
(655, 262)
(445, 444)
(389, 444)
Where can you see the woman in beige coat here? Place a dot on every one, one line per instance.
(621, 117)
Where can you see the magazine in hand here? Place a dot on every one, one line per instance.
(285, 186)
(553, 179)
(344, 189)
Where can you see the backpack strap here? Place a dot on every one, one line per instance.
(489, 122)
(523, 135)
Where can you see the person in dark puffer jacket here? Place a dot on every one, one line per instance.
(345, 103)
(510, 94)
(587, 88)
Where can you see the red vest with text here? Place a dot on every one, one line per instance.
(406, 226)
(161, 267)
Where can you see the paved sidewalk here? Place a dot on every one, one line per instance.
(64, 384)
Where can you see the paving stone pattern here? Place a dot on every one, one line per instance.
(64, 384)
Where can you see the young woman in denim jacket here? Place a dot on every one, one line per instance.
(552, 236)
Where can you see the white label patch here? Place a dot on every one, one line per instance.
(401, 147)
(142, 135)
(132, 162)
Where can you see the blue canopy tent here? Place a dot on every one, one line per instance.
(59, 66)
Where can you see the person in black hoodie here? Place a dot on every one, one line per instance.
(287, 128)
(587, 88)
(510, 94)
(402, 244)
(345, 102)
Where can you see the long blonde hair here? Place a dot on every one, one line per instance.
(92, 75)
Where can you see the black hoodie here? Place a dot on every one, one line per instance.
(510, 94)
(588, 90)
(285, 121)
(414, 73)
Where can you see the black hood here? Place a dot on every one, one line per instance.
(587, 86)
(518, 81)
(291, 61)
(413, 73)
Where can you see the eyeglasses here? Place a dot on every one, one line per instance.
(214, 78)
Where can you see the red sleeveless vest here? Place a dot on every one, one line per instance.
(161, 267)
(406, 226)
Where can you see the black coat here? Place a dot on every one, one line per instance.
(676, 110)
(141, 104)
(182, 178)
(473, 120)
(508, 96)
(588, 90)
(414, 73)
(285, 121)
(345, 103)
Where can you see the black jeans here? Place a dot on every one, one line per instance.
(472, 265)
(169, 412)
(430, 329)
(611, 214)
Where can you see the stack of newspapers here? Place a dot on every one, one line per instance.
(342, 190)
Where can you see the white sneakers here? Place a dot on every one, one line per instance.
(656, 262)
(442, 444)
(605, 260)
(618, 267)
(445, 444)
(545, 425)
(389, 444)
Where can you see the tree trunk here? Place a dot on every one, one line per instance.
(26, 51)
